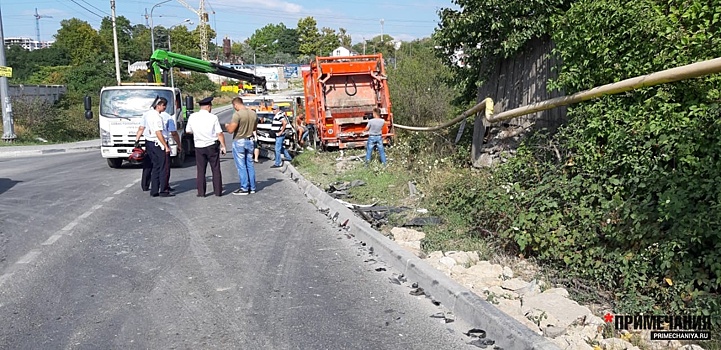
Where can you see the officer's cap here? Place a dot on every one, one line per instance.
(206, 101)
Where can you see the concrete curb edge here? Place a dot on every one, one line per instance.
(506, 331)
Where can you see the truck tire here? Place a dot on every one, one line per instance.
(115, 162)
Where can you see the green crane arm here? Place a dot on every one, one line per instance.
(165, 60)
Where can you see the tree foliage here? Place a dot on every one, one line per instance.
(626, 194)
(78, 40)
(487, 30)
(308, 36)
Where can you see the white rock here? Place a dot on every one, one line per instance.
(560, 291)
(572, 342)
(507, 272)
(565, 310)
(474, 257)
(553, 332)
(449, 262)
(616, 344)
(514, 284)
(458, 270)
(461, 258)
(486, 269)
(410, 244)
(402, 234)
(690, 347)
(437, 255)
(510, 307)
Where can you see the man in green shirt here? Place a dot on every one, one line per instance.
(243, 126)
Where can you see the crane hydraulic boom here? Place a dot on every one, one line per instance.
(165, 60)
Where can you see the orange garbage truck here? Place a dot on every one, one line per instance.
(340, 95)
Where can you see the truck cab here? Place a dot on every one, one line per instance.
(121, 113)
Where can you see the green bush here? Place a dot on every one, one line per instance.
(634, 203)
(35, 118)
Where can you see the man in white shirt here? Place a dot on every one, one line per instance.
(208, 136)
(169, 130)
(156, 146)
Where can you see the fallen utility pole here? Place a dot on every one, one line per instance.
(7, 109)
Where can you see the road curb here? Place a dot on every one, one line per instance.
(506, 331)
(44, 151)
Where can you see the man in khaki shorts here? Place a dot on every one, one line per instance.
(243, 126)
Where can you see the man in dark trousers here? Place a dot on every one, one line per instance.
(209, 142)
(156, 146)
(169, 130)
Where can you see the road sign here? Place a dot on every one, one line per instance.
(6, 71)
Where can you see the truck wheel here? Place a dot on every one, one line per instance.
(115, 162)
(178, 160)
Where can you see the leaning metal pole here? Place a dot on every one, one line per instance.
(7, 109)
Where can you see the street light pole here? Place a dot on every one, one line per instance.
(152, 36)
(115, 42)
(7, 108)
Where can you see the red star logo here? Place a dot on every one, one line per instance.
(608, 318)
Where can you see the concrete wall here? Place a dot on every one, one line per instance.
(49, 93)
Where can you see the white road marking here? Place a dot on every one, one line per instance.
(52, 239)
(96, 207)
(129, 185)
(108, 199)
(85, 214)
(119, 191)
(70, 226)
(27, 258)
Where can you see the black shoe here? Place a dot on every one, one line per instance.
(170, 189)
(166, 194)
(145, 189)
(200, 195)
(154, 194)
(276, 166)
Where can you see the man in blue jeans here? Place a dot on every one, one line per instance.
(375, 136)
(243, 126)
(280, 123)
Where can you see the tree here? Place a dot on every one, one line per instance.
(489, 30)
(79, 40)
(126, 48)
(344, 38)
(418, 90)
(308, 36)
(329, 41)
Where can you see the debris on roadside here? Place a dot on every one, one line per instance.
(444, 317)
(479, 339)
(339, 189)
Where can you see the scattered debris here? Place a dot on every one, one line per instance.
(417, 292)
(397, 279)
(339, 189)
(444, 317)
(482, 343)
(380, 269)
(412, 190)
(476, 333)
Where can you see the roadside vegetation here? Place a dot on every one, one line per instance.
(632, 207)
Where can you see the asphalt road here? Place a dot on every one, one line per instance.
(89, 261)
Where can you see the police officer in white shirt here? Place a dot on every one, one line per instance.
(156, 146)
(169, 130)
(209, 144)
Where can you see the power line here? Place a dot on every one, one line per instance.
(91, 5)
(86, 9)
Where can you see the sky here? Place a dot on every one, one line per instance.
(236, 19)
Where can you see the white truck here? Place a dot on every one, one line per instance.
(121, 113)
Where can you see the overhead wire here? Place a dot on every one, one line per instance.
(93, 6)
(85, 8)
